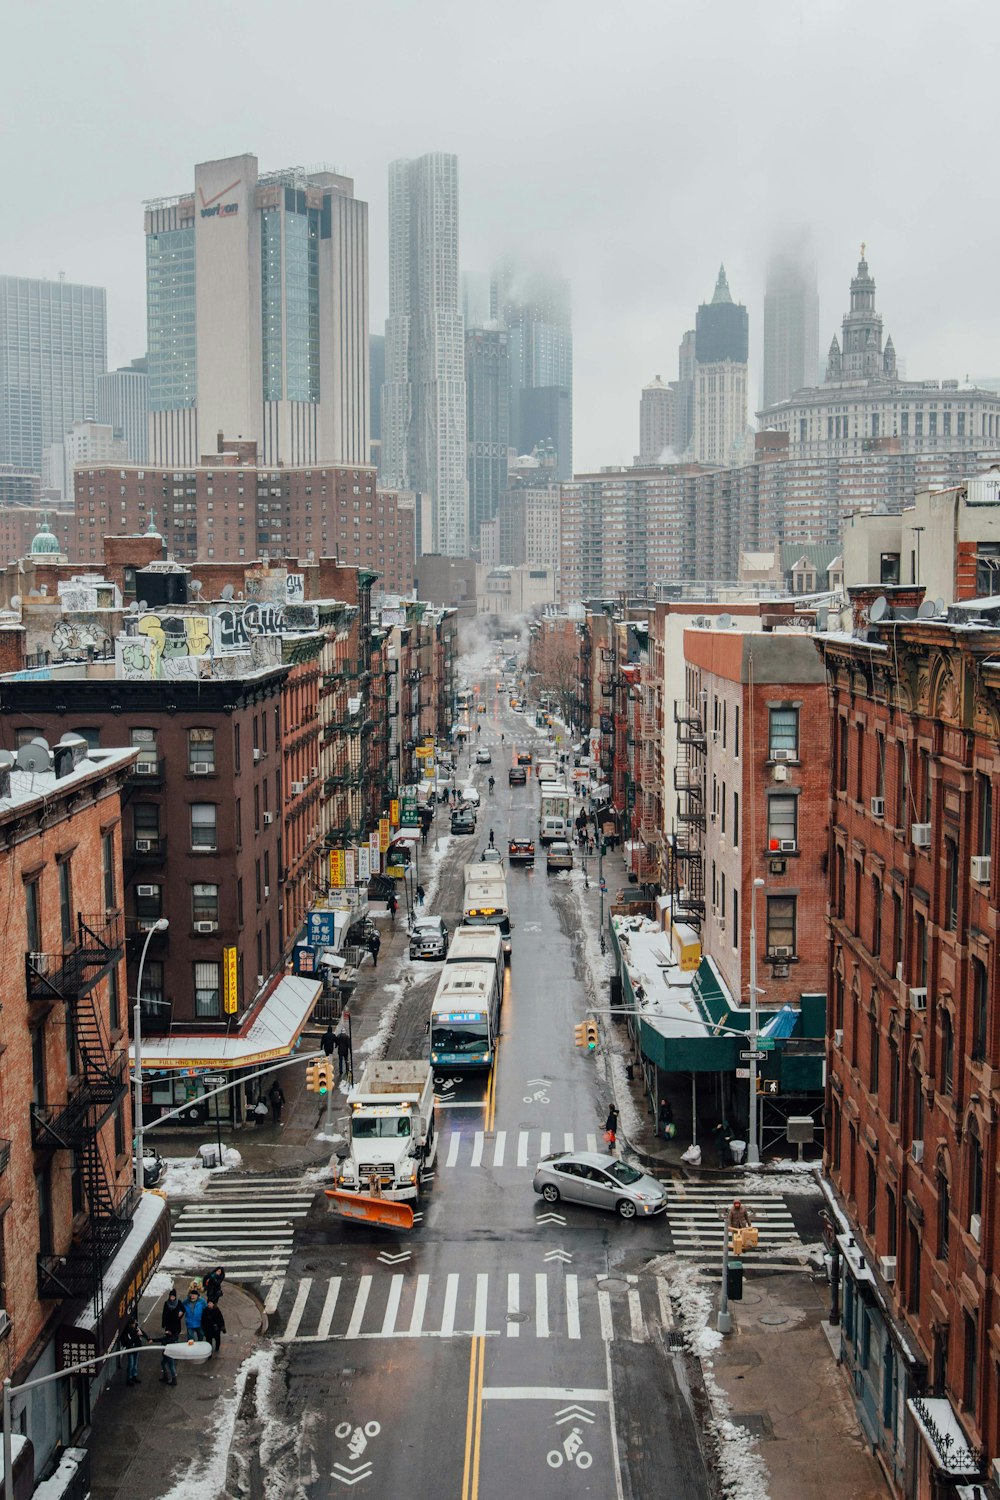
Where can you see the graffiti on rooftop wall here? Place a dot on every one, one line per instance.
(239, 624)
(174, 636)
(75, 637)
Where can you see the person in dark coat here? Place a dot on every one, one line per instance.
(277, 1099)
(213, 1324)
(722, 1135)
(172, 1322)
(329, 1042)
(212, 1282)
(374, 944)
(343, 1042)
(393, 904)
(133, 1338)
(611, 1125)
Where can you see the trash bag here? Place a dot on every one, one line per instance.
(692, 1156)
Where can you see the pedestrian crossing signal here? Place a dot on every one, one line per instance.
(767, 1085)
(591, 1027)
(580, 1032)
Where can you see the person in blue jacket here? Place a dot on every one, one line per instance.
(194, 1307)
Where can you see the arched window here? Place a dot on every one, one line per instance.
(944, 1212)
(947, 1071)
(855, 1021)
(873, 1047)
(980, 1011)
(975, 1181)
(894, 1078)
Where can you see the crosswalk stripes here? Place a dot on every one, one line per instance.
(476, 1148)
(247, 1223)
(492, 1305)
(695, 1211)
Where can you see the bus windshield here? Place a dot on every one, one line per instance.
(470, 1036)
(492, 919)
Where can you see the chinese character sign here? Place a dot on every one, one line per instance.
(230, 970)
(350, 867)
(337, 867)
(394, 812)
(383, 834)
(364, 864)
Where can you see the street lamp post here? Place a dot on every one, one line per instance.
(160, 925)
(753, 1150)
(195, 1351)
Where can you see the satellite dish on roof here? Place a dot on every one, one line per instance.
(15, 603)
(939, 606)
(143, 604)
(6, 760)
(927, 610)
(879, 609)
(195, 585)
(227, 592)
(724, 622)
(34, 757)
(133, 608)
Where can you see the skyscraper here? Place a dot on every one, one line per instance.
(487, 385)
(535, 309)
(791, 327)
(423, 399)
(123, 405)
(257, 315)
(656, 420)
(720, 394)
(53, 348)
(376, 376)
(683, 388)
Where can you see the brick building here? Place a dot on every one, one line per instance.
(76, 1243)
(914, 1045)
(229, 507)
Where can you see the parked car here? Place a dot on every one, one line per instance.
(468, 795)
(428, 938)
(491, 857)
(483, 757)
(463, 820)
(558, 856)
(153, 1166)
(524, 757)
(517, 776)
(521, 851)
(599, 1181)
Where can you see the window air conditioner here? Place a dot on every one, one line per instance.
(921, 835)
(779, 953)
(146, 924)
(980, 868)
(838, 1037)
(787, 846)
(39, 962)
(144, 845)
(917, 1150)
(975, 1227)
(267, 892)
(918, 999)
(206, 926)
(147, 890)
(887, 1266)
(783, 755)
(201, 768)
(256, 755)
(145, 768)
(268, 818)
(297, 787)
(878, 807)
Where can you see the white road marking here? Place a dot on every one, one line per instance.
(454, 1143)
(419, 1306)
(567, 1142)
(329, 1307)
(604, 1307)
(298, 1307)
(482, 1291)
(274, 1296)
(477, 1149)
(666, 1307)
(513, 1303)
(360, 1303)
(545, 1146)
(450, 1300)
(499, 1147)
(541, 1305)
(572, 1306)
(522, 1149)
(541, 1393)
(635, 1315)
(392, 1306)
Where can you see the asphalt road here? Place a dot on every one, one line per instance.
(503, 1348)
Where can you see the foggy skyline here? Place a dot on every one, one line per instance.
(631, 151)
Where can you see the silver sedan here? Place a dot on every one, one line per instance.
(599, 1181)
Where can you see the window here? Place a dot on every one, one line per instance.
(33, 916)
(66, 901)
(985, 810)
(913, 1269)
(782, 822)
(205, 903)
(239, 901)
(943, 1215)
(947, 1053)
(975, 1179)
(151, 998)
(890, 1214)
(951, 885)
(114, 1000)
(920, 946)
(207, 998)
(902, 785)
(108, 871)
(783, 733)
(876, 916)
(872, 1204)
(897, 931)
(916, 1102)
(987, 569)
(736, 820)
(924, 764)
(859, 762)
(879, 764)
(873, 1050)
(980, 1011)
(148, 903)
(146, 823)
(781, 925)
(120, 1131)
(144, 740)
(894, 1080)
(236, 748)
(841, 886)
(970, 1361)
(203, 829)
(43, 1192)
(201, 751)
(841, 755)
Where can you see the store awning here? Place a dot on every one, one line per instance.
(271, 1034)
(125, 1276)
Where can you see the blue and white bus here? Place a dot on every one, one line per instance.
(465, 1016)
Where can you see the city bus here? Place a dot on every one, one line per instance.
(465, 1016)
(477, 945)
(464, 700)
(485, 905)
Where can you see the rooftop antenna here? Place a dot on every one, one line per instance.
(879, 609)
(927, 610)
(227, 592)
(35, 756)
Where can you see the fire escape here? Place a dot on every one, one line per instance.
(71, 978)
(687, 867)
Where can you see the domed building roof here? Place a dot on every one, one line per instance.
(43, 543)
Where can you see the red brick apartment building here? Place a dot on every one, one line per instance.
(67, 1206)
(914, 1046)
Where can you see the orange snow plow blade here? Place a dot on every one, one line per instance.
(371, 1210)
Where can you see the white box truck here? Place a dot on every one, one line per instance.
(553, 813)
(392, 1134)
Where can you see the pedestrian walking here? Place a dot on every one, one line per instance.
(420, 895)
(492, 845)
(329, 1042)
(171, 1321)
(374, 944)
(212, 1284)
(491, 784)
(194, 1307)
(277, 1098)
(133, 1338)
(213, 1324)
(343, 1042)
(611, 1126)
(667, 1126)
(722, 1135)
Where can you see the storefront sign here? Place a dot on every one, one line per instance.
(394, 812)
(375, 851)
(305, 959)
(364, 864)
(350, 866)
(410, 815)
(321, 929)
(383, 834)
(230, 977)
(337, 867)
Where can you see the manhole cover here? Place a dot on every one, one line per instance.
(517, 1317)
(773, 1320)
(613, 1284)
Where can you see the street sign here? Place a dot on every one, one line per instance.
(748, 1056)
(765, 1044)
(743, 1072)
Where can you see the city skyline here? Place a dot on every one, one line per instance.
(604, 228)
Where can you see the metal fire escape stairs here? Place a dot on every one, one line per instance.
(687, 866)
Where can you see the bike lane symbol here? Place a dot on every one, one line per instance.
(357, 1438)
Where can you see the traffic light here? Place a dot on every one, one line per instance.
(591, 1027)
(312, 1077)
(767, 1085)
(325, 1075)
(580, 1032)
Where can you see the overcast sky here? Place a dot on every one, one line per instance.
(632, 145)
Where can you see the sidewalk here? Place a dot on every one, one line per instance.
(144, 1436)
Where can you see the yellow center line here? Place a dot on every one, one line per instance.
(491, 1097)
(469, 1415)
(474, 1491)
